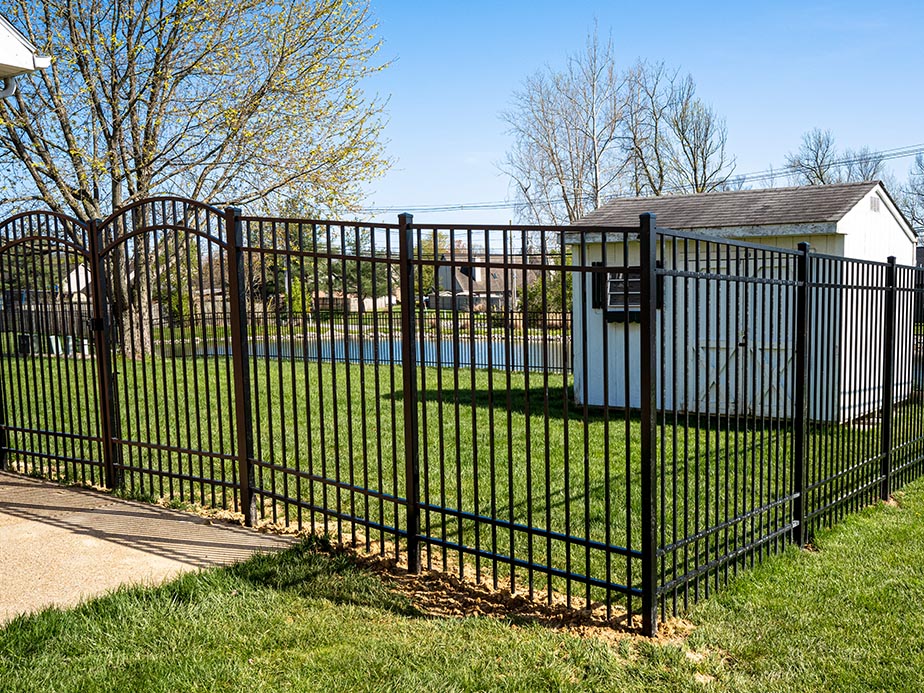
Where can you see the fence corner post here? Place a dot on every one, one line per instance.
(409, 373)
(101, 339)
(649, 441)
(803, 296)
(243, 423)
(888, 379)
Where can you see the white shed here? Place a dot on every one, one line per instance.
(852, 220)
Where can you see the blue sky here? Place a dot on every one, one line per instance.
(773, 70)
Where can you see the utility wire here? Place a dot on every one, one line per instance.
(757, 176)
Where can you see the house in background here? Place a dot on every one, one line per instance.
(854, 220)
(17, 57)
(476, 280)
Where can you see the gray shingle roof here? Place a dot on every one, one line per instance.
(809, 204)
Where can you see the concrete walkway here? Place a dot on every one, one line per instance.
(59, 545)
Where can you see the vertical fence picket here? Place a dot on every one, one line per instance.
(648, 354)
(888, 380)
(239, 353)
(409, 373)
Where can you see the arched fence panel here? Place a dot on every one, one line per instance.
(166, 295)
(48, 377)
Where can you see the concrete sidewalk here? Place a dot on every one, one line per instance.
(60, 545)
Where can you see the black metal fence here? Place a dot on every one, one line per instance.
(619, 417)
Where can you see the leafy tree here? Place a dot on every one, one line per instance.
(232, 102)
(246, 102)
(362, 278)
(431, 247)
(551, 296)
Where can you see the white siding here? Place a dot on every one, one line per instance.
(849, 365)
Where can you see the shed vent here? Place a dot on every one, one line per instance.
(874, 203)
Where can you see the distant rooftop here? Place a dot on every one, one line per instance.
(797, 205)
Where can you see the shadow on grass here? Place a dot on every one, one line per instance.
(560, 404)
(316, 568)
(535, 400)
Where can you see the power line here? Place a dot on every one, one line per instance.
(754, 177)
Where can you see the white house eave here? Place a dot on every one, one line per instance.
(899, 218)
(18, 56)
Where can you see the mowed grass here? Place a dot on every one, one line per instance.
(510, 446)
(847, 617)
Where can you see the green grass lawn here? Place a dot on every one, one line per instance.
(487, 448)
(847, 617)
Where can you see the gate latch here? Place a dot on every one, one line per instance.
(96, 324)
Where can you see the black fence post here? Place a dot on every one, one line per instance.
(4, 436)
(888, 379)
(409, 373)
(649, 442)
(243, 423)
(101, 339)
(803, 298)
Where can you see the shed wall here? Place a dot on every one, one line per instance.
(735, 356)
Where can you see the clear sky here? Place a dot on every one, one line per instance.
(773, 70)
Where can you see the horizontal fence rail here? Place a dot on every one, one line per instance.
(619, 419)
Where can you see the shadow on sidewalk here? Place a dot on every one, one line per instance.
(171, 534)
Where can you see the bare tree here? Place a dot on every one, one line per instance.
(699, 163)
(861, 165)
(567, 153)
(912, 195)
(816, 161)
(648, 146)
(733, 183)
(590, 132)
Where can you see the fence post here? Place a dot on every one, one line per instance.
(888, 379)
(803, 297)
(4, 436)
(99, 323)
(243, 423)
(649, 442)
(409, 373)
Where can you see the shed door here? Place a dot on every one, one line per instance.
(746, 366)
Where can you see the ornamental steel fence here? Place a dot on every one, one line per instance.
(619, 418)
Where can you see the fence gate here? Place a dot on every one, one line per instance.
(50, 410)
(177, 386)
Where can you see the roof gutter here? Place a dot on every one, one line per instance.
(39, 62)
(9, 87)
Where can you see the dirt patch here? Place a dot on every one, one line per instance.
(446, 595)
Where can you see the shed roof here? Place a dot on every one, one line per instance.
(772, 206)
